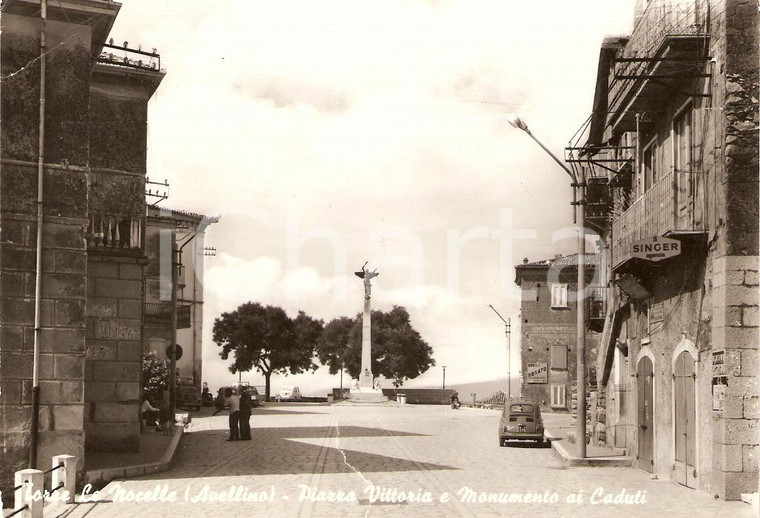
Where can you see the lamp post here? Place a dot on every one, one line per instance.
(579, 216)
(176, 264)
(444, 377)
(507, 332)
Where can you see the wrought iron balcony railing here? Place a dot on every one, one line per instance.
(661, 20)
(670, 207)
(161, 313)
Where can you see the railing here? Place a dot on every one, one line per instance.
(161, 312)
(596, 302)
(30, 495)
(661, 19)
(113, 232)
(668, 206)
(131, 58)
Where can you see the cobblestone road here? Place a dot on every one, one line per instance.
(448, 462)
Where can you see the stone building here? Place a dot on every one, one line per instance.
(672, 168)
(549, 313)
(84, 134)
(189, 231)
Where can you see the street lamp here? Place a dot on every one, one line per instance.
(176, 264)
(579, 216)
(444, 377)
(507, 332)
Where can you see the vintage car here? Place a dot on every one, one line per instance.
(289, 394)
(521, 420)
(220, 402)
(188, 397)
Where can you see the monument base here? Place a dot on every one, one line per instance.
(365, 395)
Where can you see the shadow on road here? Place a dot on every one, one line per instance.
(282, 451)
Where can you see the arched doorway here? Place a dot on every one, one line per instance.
(645, 390)
(685, 422)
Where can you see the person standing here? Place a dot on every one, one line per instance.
(150, 413)
(245, 414)
(234, 401)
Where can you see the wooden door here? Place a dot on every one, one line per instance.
(645, 381)
(685, 424)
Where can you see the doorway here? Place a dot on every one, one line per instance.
(645, 382)
(684, 379)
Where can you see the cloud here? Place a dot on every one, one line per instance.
(286, 92)
(358, 130)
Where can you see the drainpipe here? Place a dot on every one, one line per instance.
(38, 279)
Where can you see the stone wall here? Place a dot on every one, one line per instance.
(114, 332)
(62, 304)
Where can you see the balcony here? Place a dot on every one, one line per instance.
(671, 208)
(115, 233)
(160, 313)
(596, 308)
(668, 47)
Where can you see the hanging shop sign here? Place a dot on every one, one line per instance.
(656, 248)
(719, 381)
(537, 373)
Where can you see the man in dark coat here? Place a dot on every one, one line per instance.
(245, 414)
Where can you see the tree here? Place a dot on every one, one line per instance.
(265, 337)
(155, 375)
(398, 351)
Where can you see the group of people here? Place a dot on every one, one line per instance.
(240, 413)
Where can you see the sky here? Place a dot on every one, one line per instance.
(327, 134)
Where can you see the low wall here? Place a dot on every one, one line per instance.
(422, 396)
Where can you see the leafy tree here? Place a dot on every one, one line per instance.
(398, 351)
(155, 374)
(265, 338)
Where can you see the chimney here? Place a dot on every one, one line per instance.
(557, 256)
(525, 260)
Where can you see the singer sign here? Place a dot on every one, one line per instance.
(656, 248)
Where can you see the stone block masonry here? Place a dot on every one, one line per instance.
(114, 337)
(735, 330)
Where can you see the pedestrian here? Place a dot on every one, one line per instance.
(149, 412)
(245, 414)
(234, 401)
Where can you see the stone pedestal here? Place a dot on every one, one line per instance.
(367, 396)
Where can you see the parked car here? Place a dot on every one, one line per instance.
(188, 397)
(521, 420)
(289, 394)
(221, 402)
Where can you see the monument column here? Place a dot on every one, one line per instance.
(365, 377)
(366, 380)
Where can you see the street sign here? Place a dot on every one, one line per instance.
(656, 248)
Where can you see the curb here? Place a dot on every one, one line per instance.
(100, 477)
(558, 447)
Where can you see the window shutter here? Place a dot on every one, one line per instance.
(559, 295)
(559, 356)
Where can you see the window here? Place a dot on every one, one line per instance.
(682, 142)
(559, 356)
(559, 295)
(558, 396)
(649, 165)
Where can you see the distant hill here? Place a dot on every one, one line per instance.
(482, 389)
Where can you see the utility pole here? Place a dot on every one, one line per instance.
(507, 332)
(579, 216)
(444, 377)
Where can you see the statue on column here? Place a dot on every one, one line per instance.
(367, 276)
